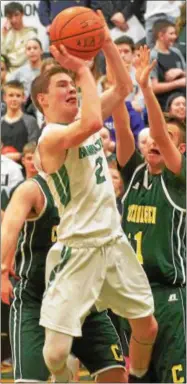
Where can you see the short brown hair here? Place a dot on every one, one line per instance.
(41, 83)
(48, 61)
(29, 148)
(169, 119)
(14, 84)
(161, 26)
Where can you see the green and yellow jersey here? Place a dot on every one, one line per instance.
(35, 240)
(154, 220)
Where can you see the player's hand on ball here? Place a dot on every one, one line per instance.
(108, 38)
(66, 60)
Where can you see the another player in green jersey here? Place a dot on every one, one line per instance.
(154, 221)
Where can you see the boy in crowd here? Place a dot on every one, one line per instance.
(169, 73)
(17, 128)
(15, 35)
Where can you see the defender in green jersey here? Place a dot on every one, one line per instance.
(154, 221)
(32, 211)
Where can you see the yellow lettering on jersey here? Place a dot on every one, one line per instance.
(145, 214)
(54, 234)
(115, 351)
(175, 372)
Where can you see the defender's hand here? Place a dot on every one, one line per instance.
(6, 289)
(143, 66)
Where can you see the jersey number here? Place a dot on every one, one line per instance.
(138, 239)
(99, 169)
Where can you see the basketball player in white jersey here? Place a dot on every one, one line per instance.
(92, 262)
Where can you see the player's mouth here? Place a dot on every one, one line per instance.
(71, 100)
(154, 152)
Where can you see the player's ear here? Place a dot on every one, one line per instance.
(182, 148)
(42, 99)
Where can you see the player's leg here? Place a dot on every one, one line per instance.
(70, 272)
(169, 355)
(27, 339)
(99, 349)
(128, 293)
(57, 357)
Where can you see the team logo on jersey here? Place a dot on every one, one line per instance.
(173, 297)
(136, 186)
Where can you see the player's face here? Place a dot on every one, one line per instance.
(28, 162)
(178, 107)
(33, 51)
(16, 20)
(153, 156)
(62, 98)
(169, 36)
(14, 98)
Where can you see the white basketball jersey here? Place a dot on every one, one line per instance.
(83, 191)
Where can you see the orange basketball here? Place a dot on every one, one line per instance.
(81, 31)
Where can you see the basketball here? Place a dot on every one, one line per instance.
(80, 30)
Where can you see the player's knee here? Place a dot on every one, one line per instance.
(145, 329)
(56, 357)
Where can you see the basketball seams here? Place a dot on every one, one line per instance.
(73, 17)
(79, 34)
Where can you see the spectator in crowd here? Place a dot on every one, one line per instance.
(169, 73)
(27, 73)
(108, 144)
(49, 9)
(118, 187)
(11, 175)
(181, 31)
(48, 64)
(4, 69)
(17, 128)
(176, 106)
(15, 35)
(126, 49)
(118, 12)
(159, 10)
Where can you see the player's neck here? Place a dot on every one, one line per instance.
(161, 47)
(155, 170)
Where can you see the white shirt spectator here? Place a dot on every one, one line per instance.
(11, 175)
(170, 8)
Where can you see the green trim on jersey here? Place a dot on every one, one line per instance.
(65, 256)
(62, 184)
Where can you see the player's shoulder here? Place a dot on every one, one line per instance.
(27, 189)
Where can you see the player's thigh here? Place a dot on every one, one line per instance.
(126, 289)
(99, 347)
(27, 341)
(75, 282)
(169, 355)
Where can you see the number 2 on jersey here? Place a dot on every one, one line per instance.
(99, 169)
(138, 239)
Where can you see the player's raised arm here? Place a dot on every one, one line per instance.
(122, 81)
(125, 144)
(157, 124)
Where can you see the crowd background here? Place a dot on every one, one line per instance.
(25, 29)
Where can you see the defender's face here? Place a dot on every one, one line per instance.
(62, 97)
(178, 107)
(28, 162)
